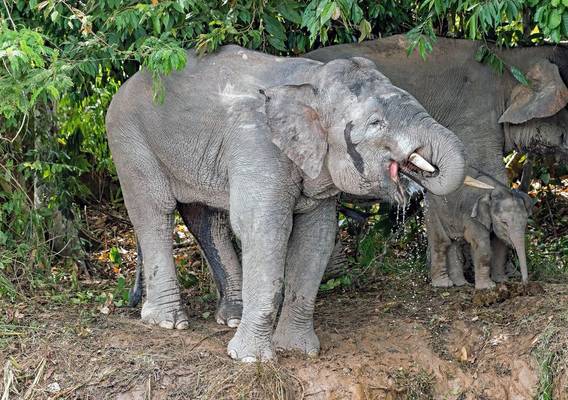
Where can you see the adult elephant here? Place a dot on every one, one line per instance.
(492, 114)
(271, 141)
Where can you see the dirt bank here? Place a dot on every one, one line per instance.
(395, 338)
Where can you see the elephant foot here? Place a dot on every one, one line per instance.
(482, 284)
(499, 278)
(229, 313)
(166, 316)
(246, 347)
(293, 339)
(442, 282)
(459, 281)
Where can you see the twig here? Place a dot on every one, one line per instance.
(8, 379)
(40, 368)
(19, 130)
(9, 16)
(207, 337)
(111, 214)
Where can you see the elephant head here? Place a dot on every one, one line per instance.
(506, 213)
(350, 122)
(536, 118)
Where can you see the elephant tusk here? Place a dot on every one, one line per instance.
(421, 163)
(469, 181)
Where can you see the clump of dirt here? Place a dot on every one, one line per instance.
(395, 338)
(506, 291)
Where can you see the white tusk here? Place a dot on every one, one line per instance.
(421, 163)
(469, 181)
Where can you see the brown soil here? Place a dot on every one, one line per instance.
(394, 338)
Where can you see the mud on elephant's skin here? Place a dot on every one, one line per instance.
(270, 142)
(474, 215)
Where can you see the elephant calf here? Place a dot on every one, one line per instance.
(270, 142)
(474, 214)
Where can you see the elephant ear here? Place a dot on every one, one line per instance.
(295, 126)
(527, 200)
(482, 211)
(546, 95)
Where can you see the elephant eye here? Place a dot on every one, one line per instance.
(375, 121)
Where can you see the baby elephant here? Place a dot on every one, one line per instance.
(475, 213)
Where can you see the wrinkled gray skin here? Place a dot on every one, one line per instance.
(490, 113)
(271, 141)
(472, 214)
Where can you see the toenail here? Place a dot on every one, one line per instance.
(167, 325)
(233, 322)
(182, 325)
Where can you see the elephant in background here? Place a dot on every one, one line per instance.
(269, 142)
(473, 215)
(491, 113)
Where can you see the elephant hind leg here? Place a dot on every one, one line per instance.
(150, 204)
(211, 229)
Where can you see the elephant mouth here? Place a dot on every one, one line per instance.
(415, 168)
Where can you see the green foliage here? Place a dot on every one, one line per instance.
(61, 62)
(507, 22)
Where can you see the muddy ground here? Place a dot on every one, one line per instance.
(394, 338)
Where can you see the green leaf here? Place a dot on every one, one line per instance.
(365, 29)
(554, 19)
(481, 53)
(356, 13)
(519, 75)
(565, 3)
(288, 9)
(327, 12)
(554, 3)
(274, 27)
(114, 255)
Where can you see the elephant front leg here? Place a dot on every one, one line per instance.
(309, 250)
(478, 237)
(264, 236)
(456, 264)
(438, 244)
(499, 251)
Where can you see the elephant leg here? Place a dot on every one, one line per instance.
(456, 264)
(263, 226)
(478, 238)
(499, 251)
(150, 204)
(310, 247)
(163, 302)
(438, 243)
(211, 229)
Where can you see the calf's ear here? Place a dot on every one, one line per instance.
(545, 96)
(481, 211)
(295, 125)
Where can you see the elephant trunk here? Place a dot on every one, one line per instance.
(518, 241)
(445, 152)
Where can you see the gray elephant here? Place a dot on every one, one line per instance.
(474, 215)
(492, 114)
(270, 141)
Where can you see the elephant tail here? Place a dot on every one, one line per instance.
(136, 291)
